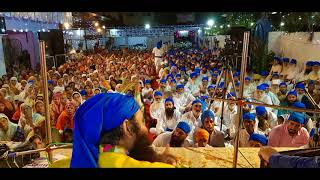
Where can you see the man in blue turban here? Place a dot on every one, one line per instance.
(266, 120)
(193, 117)
(315, 73)
(248, 124)
(290, 134)
(177, 138)
(216, 138)
(258, 140)
(109, 132)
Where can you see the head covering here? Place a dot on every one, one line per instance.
(300, 86)
(264, 73)
(259, 138)
(157, 93)
(293, 61)
(170, 75)
(236, 74)
(221, 84)
(83, 92)
(50, 81)
(179, 86)
(292, 92)
(283, 84)
(147, 81)
(196, 101)
(178, 75)
(211, 87)
(7, 136)
(285, 60)
(169, 99)
(261, 87)
(231, 94)
(173, 81)
(159, 44)
(316, 63)
(201, 134)
(297, 117)
(214, 75)
(276, 82)
(207, 114)
(163, 81)
(309, 63)
(205, 78)
(299, 105)
(184, 127)
(261, 110)
(247, 78)
(193, 74)
(237, 84)
(109, 112)
(249, 116)
(276, 58)
(13, 79)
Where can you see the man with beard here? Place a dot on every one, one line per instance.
(202, 89)
(315, 73)
(290, 99)
(300, 91)
(193, 117)
(168, 118)
(214, 78)
(120, 139)
(216, 137)
(163, 85)
(248, 124)
(282, 94)
(290, 134)
(176, 138)
(261, 96)
(269, 116)
(274, 98)
(183, 99)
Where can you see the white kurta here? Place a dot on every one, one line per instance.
(183, 100)
(156, 109)
(193, 122)
(163, 122)
(164, 139)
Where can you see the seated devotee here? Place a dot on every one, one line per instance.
(29, 120)
(183, 99)
(177, 138)
(258, 140)
(261, 96)
(274, 98)
(290, 134)
(147, 91)
(121, 142)
(300, 89)
(249, 120)
(294, 70)
(315, 73)
(202, 89)
(276, 160)
(216, 137)
(201, 137)
(10, 131)
(269, 116)
(229, 114)
(157, 105)
(168, 118)
(36, 141)
(276, 66)
(77, 99)
(248, 88)
(282, 93)
(191, 84)
(193, 117)
(65, 120)
(308, 123)
(290, 99)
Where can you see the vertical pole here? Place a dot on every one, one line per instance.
(43, 67)
(240, 109)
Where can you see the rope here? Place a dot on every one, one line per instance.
(245, 158)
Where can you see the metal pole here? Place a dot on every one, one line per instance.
(242, 75)
(43, 67)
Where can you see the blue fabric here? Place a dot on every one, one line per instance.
(293, 61)
(99, 114)
(197, 70)
(169, 99)
(265, 84)
(231, 94)
(163, 81)
(297, 117)
(285, 60)
(50, 81)
(221, 84)
(261, 87)
(286, 161)
(276, 58)
(205, 78)
(168, 129)
(261, 29)
(264, 73)
(169, 75)
(283, 84)
(157, 93)
(299, 105)
(293, 92)
(259, 138)
(275, 75)
(83, 92)
(214, 75)
(236, 74)
(178, 75)
(159, 44)
(184, 127)
(173, 81)
(183, 69)
(196, 101)
(180, 86)
(316, 63)
(207, 114)
(204, 97)
(147, 81)
(249, 116)
(211, 86)
(247, 78)
(309, 63)
(300, 86)
(261, 110)
(193, 74)
(237, 84)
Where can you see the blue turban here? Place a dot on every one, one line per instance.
(285, 60)
(292, 92)
(293, 61)
(50, 81)
(283, 84)
(316, 63)
(204, 97)
(297, 117)
(259, 138)
(183, 69)
(265, 85)
(157, 93)
(249, 116)
(99, 114)
(211, 87)
(193, 74)
(237, 84)
(275, 74)
(309, 63)
(261, 87)
(236, 74)
(196, 101)
(169, 75)
(221, 84)
(147, 81)
(173, 81)
(232, 94)
(277, 58)
(169, 99)
(214, 75)
(247, 78)
(207, 114)
(300, 86)
(264, 73)
(163, 81)
(184, 127)
(197, 70)
(159, 44)
(299, 105)
(179, 86)
(30, 82)
(178, 75)
(205, 78)
(83, 92)
(261, 110)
